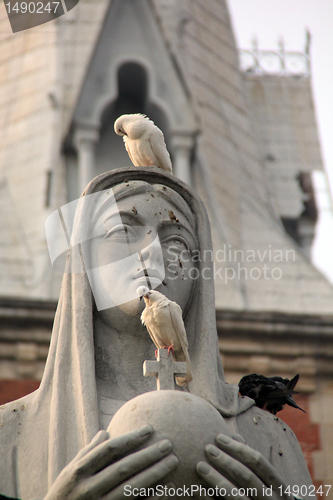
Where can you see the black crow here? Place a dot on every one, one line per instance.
(269, 393)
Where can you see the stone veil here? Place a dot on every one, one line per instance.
(42, 432)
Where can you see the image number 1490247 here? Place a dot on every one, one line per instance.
(303, 491)
(24, 15)
(32, 7)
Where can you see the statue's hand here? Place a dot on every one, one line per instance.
(105, 466)
(235, 465)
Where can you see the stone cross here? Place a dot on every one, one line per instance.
(164, 370)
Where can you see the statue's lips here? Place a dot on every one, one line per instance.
(150, 273)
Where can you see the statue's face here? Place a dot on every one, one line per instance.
(145, 241)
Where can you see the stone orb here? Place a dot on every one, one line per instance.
(190, 422)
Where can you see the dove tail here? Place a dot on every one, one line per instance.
(182, 381)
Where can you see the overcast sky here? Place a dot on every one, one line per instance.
(270, 20)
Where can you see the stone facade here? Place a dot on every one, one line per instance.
(285, 127)
(286, 344)
(25, 334)
(183, 53)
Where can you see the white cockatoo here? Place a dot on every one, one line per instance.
(144, 142)
(163, 319)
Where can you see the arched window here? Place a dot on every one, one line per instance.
(133, 97)
(107, 149)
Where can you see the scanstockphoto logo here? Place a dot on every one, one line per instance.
(118, 252)
(25, 15)
(232, 264)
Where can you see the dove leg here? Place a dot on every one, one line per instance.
(171, 348)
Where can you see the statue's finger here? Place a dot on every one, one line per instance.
(251, 459)
(112, 450)
(110, 477)
(145, 479)
(236, 472)
(216, 480)
(100, 437)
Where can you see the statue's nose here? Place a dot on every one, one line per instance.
(153, 253)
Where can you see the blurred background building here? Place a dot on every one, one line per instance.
(240, 129)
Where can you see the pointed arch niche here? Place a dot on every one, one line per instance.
(110, 150)
(132, 74)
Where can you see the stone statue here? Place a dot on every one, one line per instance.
(54, 443)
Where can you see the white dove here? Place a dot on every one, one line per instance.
(144, 142)
(163, 319)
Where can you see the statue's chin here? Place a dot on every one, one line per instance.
(136, 306)
(125, 317)
(131, 308)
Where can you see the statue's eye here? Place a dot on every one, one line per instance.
(178, 242)
(122, 234)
